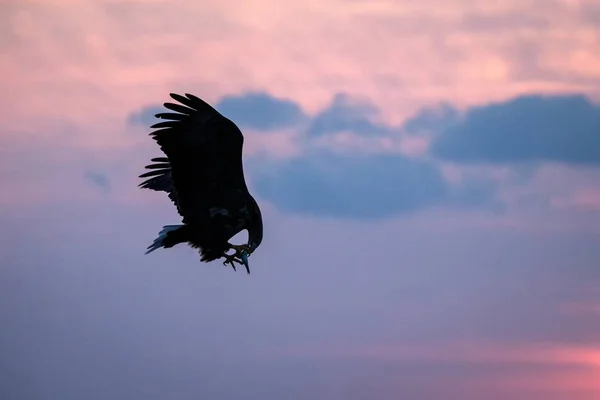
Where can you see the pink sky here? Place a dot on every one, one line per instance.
(72, 72)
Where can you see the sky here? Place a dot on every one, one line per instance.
(428, 173)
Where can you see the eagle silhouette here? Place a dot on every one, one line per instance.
(203, 176)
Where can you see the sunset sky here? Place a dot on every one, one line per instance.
(428, 171)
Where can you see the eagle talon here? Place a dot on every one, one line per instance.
(231, 260)
(241, 251)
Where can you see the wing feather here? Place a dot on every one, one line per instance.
(158, 166)
(179, 108)
(173, 116)
(166, 124)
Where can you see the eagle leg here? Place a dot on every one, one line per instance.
(239, 248)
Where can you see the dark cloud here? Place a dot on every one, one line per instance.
(347, 186)
(362, 187)
(526, 129)
(98, 179)
(261, 111)
(346, 115)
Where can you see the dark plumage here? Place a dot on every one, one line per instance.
(203, 176)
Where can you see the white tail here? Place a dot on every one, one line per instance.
(158, 242)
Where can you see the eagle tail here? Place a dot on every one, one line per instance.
(169, 236)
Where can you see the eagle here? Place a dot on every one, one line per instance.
(203, 176)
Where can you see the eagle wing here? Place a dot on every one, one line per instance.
(202, 171)
(159, 179)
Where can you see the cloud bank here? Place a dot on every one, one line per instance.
(332, 181)
(532, 128)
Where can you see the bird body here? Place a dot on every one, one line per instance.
(203, 176)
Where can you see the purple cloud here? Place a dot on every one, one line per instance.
(530, 128)
(261, 111)
(344, 114)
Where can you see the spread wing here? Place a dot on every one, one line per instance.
(160, 179)
(203, 164)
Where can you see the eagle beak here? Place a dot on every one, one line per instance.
(244, 257)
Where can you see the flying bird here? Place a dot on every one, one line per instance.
(203, 176)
